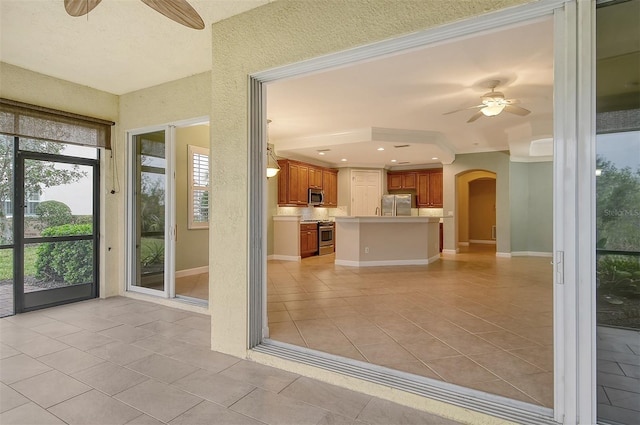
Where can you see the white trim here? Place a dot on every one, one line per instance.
(503, 254)
(531, 158)
(286, 257)
(531, 254)
(483, 241)
(192, 272)
(450, 251)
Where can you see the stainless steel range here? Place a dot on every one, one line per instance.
(326, 230)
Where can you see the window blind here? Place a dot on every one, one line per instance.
(37, 122)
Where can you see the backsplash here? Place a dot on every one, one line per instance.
(313, 213)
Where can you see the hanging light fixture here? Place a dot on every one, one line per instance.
(272, 162)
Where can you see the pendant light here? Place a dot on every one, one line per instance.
(272, 162)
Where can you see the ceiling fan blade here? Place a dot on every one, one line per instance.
(463, 109)
(518, 110)
(80, 7)
(179, 11)
(475, 116)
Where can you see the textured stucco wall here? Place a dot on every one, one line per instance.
(273, 35)
(38, 89)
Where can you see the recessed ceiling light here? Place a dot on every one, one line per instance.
(344, 160)
(320, 153)
(394, 160)
(435, 157)
(380, 149)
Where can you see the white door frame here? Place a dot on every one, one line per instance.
(170, 225)
(574, 182)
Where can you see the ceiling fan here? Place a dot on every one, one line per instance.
(178, 10)
(493, 103)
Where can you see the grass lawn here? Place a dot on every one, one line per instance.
(6, 262)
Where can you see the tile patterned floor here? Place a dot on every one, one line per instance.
(471, 319)
(193, 286)
(124, 361)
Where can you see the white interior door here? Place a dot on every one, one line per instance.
(366, 192)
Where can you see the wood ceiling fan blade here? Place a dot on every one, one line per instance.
(518, 110)
(179, 11)
(80, 7)
(463, 109)
(475, 116)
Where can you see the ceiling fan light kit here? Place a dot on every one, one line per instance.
(493, 103)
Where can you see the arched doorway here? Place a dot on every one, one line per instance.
(476, 200)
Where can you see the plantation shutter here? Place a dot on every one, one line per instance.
(37, 122)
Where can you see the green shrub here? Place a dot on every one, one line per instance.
(54, 213)
(70, 262)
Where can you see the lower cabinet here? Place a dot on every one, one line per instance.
(308, 240)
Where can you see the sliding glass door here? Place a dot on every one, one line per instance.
(150, 213)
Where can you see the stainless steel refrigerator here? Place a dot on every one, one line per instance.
(396, 205)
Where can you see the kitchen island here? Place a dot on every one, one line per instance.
(386, 241)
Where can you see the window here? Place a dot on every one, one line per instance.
(33, 200)
(198, 187)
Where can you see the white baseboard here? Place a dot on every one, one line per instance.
(483, 241)
(433, 259)
(531, 254)
(193, 271)
(286, 257)
(450, 251)
(463, 243)
(503, 254)
(417, 262)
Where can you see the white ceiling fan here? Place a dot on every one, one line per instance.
(493, 103)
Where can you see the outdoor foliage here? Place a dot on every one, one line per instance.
(54, 213)
(69, 262)
(618, 229)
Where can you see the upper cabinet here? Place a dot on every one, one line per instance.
(330, 187)
(315, 177)
(296, 178)
(401, 180)
(429, 188)
(426, 183)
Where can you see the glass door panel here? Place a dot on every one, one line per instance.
(149, 211)
(618, 213)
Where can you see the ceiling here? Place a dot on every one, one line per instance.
(103, 49)
(349, 112)
(398, 103)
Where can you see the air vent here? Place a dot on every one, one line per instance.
(404, 162)
(401, 146)
(323, 150)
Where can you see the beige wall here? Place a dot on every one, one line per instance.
(192, 245)
(273, 35)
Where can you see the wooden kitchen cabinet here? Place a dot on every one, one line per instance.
(429, 193)
(296, 178)
(401, 180)
(293, 183)
(315, 178)
(330, 187)
(308, 239)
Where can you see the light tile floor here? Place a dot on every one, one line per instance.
(124, 361)
(471, 319)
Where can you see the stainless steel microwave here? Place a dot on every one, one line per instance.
(316, 197)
